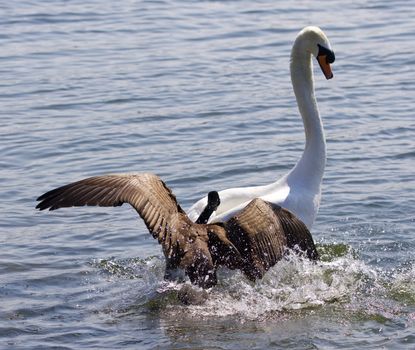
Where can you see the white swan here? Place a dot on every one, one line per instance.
(300, 189)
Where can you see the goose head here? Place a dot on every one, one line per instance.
(312, 41)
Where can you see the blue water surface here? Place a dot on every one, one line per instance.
(200, 94)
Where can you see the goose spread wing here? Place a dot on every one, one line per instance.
(147, 193)
(261, 233)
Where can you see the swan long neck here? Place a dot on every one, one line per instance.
(311, 165)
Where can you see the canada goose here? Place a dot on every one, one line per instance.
(252, 241)
(300, 190)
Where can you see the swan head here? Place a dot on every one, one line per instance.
(312, 41)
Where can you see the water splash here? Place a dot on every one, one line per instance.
(293, 285)
(401, 284)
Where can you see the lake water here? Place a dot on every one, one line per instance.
(199, 93)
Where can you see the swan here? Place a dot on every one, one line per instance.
(300, 189)
(253, 241)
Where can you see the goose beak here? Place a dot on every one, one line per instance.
(325, 66)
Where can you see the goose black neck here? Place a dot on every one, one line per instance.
(212, 205)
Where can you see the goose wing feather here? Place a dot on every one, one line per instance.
(147, 193)
(262, 231)
(297, 234)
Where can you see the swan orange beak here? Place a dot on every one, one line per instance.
(325, 66)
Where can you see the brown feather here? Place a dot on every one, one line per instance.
(262, 231)
(297, 233)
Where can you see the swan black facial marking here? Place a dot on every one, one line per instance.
(323, 51)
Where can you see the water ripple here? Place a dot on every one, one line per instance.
(199, 93)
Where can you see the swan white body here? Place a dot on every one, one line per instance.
(300, 190)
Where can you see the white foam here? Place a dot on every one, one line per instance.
(292, 284)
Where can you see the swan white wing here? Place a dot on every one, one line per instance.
(301, 201)
(230, 199)
(278, 197)
(233, 200)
